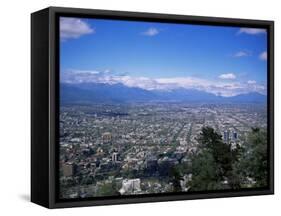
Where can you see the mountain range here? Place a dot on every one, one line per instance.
(119, 93)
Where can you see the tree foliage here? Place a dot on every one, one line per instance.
(176, 178)
(254, 161)
(205, 175)
(108, 189)
(213, 166)
(219, 165)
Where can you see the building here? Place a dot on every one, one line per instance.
(115, 156)
(106, 137)
(130, 186)
(151, 164)
(68, 169)
(234, 136)
(226, 136)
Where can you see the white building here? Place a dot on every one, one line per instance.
(130, 186)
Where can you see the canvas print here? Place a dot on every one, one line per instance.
(160, 108)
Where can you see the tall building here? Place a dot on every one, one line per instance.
(234, 136)
(115, 156)
(226, 136)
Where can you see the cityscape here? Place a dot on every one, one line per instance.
(160, 108)
(130, 149)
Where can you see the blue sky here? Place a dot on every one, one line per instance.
(210, 58)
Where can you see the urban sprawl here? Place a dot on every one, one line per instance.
(128, 149)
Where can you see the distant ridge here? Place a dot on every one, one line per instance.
(119, 93)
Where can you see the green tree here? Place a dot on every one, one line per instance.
(214, 162)
(108, 189)
(176, 178)
(254, 160)
(205, 173)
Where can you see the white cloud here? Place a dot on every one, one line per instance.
(151, 32)
(183, 82)
(251, 31)
(263, 56)
(217, 87)
(242, 54)
(85, 76)
(229, 76)
(139, 82)
(73, 28)
(251, 82)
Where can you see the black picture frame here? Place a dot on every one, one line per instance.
(45, 105)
